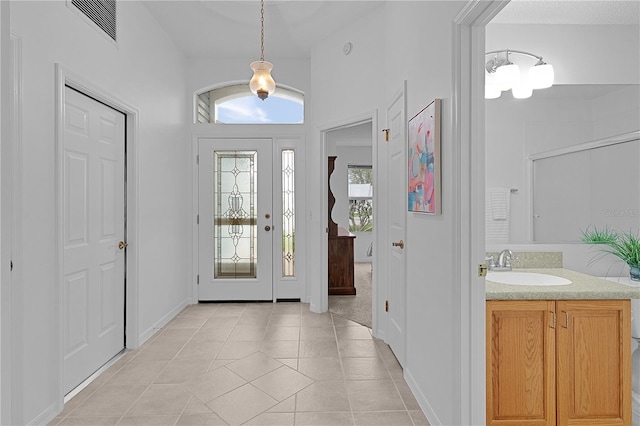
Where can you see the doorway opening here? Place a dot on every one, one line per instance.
(350, 263)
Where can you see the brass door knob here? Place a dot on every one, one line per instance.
(398, 244)
(122, 245)
(267, 228)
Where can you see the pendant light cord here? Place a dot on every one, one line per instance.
(262, 30)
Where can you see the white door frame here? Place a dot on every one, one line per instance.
(14, 284)
(469, 245)
(7, 180)
(64, 77)
(320, 294)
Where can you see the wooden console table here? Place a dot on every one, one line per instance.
(341, 277)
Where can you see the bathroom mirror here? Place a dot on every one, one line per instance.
(559, 158)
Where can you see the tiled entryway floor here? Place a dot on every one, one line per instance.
(251, 364)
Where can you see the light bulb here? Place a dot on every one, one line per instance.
(507, 76)
(541, 76)
(522, 90)
(491, 91)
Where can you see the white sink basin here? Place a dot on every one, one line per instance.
(525, 278)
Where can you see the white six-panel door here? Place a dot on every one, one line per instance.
(396, 279)
(93, 227)
(235, 232)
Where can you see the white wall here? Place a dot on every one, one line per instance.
(147, 72)
(342, 94)
(407, 41)
(418, 49)
(616, 113)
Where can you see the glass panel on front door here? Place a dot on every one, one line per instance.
(288, 214)
(235, 214)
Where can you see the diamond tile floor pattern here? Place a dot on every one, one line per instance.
(251, 364)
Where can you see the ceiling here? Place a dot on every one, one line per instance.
(577, 12)
(231, 29)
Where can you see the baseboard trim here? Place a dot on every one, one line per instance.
(147, 334)
(46, 416)
(422, 400)
(94, 376)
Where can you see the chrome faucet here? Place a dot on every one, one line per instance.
(504, 260)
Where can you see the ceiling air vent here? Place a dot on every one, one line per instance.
(100, 12)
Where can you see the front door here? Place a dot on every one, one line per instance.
(235, 219)
(93, 236)
(396, 280)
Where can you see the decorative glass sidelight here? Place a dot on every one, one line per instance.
(288, 214)
(235, 214)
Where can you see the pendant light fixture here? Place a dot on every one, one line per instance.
(502, 75)
(262, 84)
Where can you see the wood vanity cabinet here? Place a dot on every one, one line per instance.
(564, 362)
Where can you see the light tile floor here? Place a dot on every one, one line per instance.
(251, 364)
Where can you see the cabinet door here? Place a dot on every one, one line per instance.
(520, 362)
(593, 341)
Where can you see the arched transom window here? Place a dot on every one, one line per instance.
(235, 104)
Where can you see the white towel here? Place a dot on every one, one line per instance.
(497, 208)
(499, 198)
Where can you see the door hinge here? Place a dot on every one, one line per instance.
(11, 265)
(198, 159)
(482, 270)
(386, 306)
(198, 219)
(386, 134)
(198, 279)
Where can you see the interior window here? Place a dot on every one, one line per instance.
(235, 104)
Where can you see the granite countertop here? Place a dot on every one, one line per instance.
(582, 286)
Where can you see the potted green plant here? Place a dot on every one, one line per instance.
(624, 245)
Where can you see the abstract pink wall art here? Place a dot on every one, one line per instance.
(424, 160)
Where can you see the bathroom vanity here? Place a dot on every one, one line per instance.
(559, 355)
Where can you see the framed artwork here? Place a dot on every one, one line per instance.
(424, 161)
